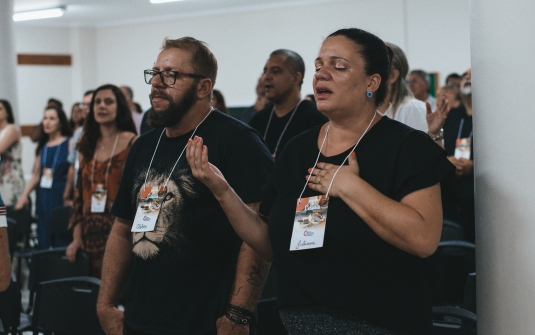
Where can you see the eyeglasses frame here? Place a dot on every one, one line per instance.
(183, 74)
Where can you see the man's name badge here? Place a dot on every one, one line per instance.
(150, 203)
(309, 223)
(98, 199)
(462, 148)
(47, 178)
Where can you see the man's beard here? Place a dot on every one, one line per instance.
(175, 112)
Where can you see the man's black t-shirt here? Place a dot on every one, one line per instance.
(182, 273)
(306, 116)
(355, 271)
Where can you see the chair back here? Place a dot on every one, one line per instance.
(67, 306)
(448, 320)
(451, 231)
(469, 302)
(60, 222)
(448, 269)
(23, 218)
(53, 264)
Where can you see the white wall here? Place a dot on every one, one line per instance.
(434, 34)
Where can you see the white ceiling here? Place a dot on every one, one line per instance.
(115, 12)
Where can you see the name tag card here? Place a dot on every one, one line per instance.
(98, 199)
(47, 178)
(309, 223)
(462, 148)
(147, 213)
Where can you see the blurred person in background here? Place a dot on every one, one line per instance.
(452, 95)
(12, 182)
(49, 174)
(136, 113)
(72, 176)
(77, 116)
(419, 83)
(288, 115)
(218, 101)
(109, 132)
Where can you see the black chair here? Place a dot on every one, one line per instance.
(470, 293)
(52, 264)
(67, 307)
(60, 222)
(448, 320)
(22, 248)
(448, 269)
(451, 231)
(10, 308)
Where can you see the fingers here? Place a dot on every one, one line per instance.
(193, 155)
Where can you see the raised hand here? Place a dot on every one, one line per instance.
(207, 173)
(436, 120)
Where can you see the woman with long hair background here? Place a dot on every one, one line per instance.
(49, 174)
(108, 133)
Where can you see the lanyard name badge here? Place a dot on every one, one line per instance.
(310, 218)
(463, 145)
(47, 178)
(151, 198)
(283, 131)
(99, 193)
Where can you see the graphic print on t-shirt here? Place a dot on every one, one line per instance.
(168, 231)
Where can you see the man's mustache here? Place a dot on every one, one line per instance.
(159, 94)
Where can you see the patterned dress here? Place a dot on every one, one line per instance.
(96, 227)
(12, 182)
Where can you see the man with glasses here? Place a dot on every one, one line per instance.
(72, 158)
(419, 85)
(187, 270)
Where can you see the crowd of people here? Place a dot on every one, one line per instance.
(185, 207)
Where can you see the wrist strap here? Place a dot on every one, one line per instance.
(239, 315)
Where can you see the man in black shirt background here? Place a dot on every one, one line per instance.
(289, 115)
(190, 274)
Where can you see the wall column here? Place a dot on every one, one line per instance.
(8, 57)
(503, 80)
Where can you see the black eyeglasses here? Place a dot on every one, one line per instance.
(168, 77)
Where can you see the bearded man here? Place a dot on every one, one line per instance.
(187, 271)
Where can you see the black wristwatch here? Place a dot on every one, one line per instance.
(439, 137)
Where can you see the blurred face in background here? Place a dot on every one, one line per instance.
(418, 86)
(86, 102)
(105, 107)
(51, 122)
(3, 112)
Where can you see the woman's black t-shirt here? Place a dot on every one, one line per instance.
(355, 271)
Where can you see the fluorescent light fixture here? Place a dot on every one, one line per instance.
(163, 1)
(39, 14)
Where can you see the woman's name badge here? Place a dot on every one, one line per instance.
(309, 223)
(150, 202)
(47, 178)
(98, 199)
(462, 148)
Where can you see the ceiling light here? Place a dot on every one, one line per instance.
(39, 14)
(163, 1)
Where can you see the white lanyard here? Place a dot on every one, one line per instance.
(154, 154)
(55, 156)
(109, 163)
(285, 127)
(336, 172)
(461, 128)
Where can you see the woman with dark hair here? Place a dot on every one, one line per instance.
(50, 173)
(12, 177)
(108, 133)
(218, 101)
(352, 208)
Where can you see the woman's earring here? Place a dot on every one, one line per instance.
(369, 94)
